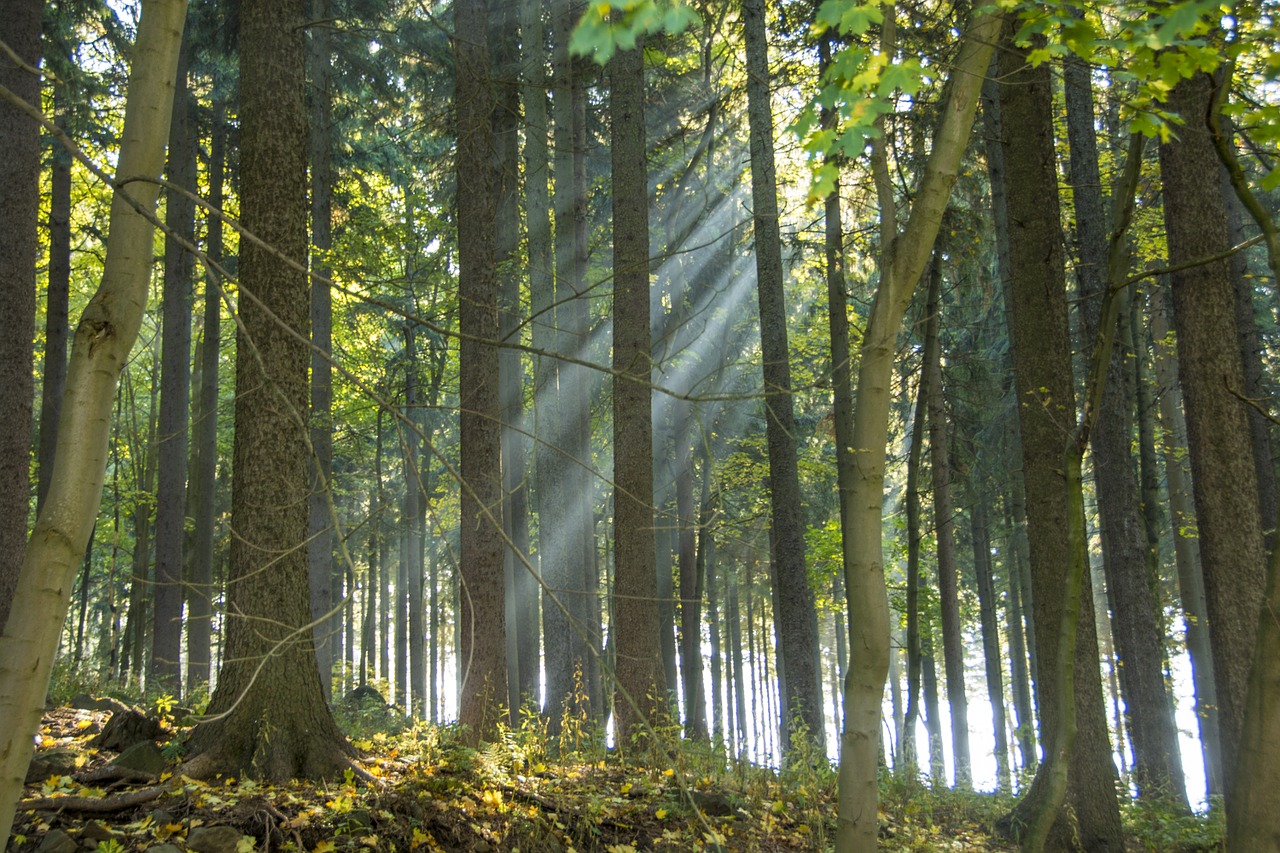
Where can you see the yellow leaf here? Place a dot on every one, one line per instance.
(323, 847)
(626, 788)
(660, 814)
(668, 772)
(83, 724)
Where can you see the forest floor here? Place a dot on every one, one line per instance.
(427, 792)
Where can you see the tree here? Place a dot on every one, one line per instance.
(800, 685)
(641, 696)
(19, 217)
(106, 332)
(1224, 482)
(1073, 722)
(268, 717)
(482, 651)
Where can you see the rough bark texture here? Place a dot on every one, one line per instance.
(53, 379)
(1157, 769)
(1046, 409)
(639, 670)
(270, 717)
(164, 672)
(482, 652)
(945, 533)
(797, 642)
(1209, 366)
(19, 219)
(320, 542)
(107, 331)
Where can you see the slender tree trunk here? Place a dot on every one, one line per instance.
(1020, 680)
(981, 537)
(802, 701)
(691, 581)
(203, 466)
(915, 657)
(944, 530)
(165, 672)
(482, 616)
(903, 259)
(53, 379)
(641, 698)
(1224, 478)
(320, 544)
(105, 334)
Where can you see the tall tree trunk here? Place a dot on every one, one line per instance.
(1078, 753)
(53, 379)
(165, 671)
(269, 718)
(320, 542)
(203, 467)
(903, 259)
(1209, 366)
(641, 696)
(691, 582)
(106, 332)
(415, 493)
(944, 531)
(483, 650)
(915, 656)
(980, 535)
(802, 700)
(19, 223)
(1137, 633)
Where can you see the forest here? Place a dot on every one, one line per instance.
(639, 425)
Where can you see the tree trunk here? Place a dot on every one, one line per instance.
(903, 259)
(1138, 637)
(915, 656)
(320, 532)
(1223, 475)
(19, 223)
(641, 698)
(104, 336)
(269, 716)
(483, 651)
(1077, 752)
(794, 619)
(944, 530)
(165, 671)
(981, 537)
(691, 583)
(53, 379)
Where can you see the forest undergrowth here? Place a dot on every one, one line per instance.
(417, 787)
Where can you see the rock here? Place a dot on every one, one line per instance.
(160, 817)
(145, 757)
(57, 841)
(214, 839)
(125, 728)
(95, 831)
(712, 803)
(164, 848)
(51, 762)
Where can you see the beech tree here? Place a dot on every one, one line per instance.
(106, 332)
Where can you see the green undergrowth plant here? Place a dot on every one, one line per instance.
(1158, 826)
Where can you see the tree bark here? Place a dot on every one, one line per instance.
(1223, 476)
(641, 698)
(1157, 769)
(795, 620)
(482, 619)
(53, 379)
(19, 221)
(106, 332)
(269, 719)
(165, 670)
(1077, 752)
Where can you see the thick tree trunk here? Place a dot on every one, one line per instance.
(1078, 752)
(269, 716)
(797, 643)
(104, 336)
(165, 671)
(19, 223)
(483, 650)
(1137, 633)
(641, 699)
(1224, 479)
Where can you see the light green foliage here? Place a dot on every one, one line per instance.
(608, 26)
(860, 85)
